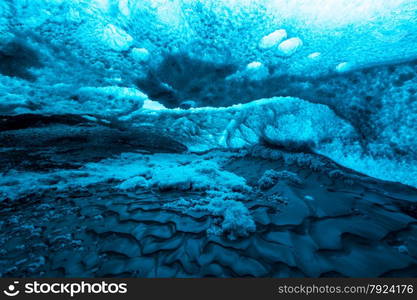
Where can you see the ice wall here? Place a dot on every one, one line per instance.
(107, 58)
(357, 32)
(286, 123)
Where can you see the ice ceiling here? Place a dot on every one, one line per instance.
(127, 60)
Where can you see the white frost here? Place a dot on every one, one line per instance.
(254, 65)
(272, 39)
(116, 38)
(110, 100)
(256, 71)
(140, 54)
(343, 67)
(290, 46)
(124, 7)
(152, 105)
(314, 55)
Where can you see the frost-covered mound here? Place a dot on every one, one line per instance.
(224, 192)
(287, 123)
(130, 172)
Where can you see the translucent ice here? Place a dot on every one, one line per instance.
(290, 46)
(140, 54)
(116, 38)
(272, 39)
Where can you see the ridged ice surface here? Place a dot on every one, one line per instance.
(277, 222)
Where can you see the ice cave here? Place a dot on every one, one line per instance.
(208, 138)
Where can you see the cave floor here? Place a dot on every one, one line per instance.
(344, 225)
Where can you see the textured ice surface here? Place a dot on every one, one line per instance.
(133, 171)
(161, 172)
(291, 228)
(288, 123)
(178, 138)
(125, 61)
(116, 38)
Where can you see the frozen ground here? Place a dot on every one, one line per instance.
(208, 138)
(107, 208)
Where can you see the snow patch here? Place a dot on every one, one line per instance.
(255, 65)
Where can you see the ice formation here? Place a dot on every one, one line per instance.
(343, 67)
(116, 38)
(290, 46)
(314, 55)
(256, 71)
(105, 87)
(178, 138)
(114, 99)
(158, 62)
(272, 39)
(164, 172)
(140, 54)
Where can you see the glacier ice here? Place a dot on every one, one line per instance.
(114, 100)
(343, 67)
(314, 55)
(165, 172)
(208, 137)
(272, 39)
(290, 46)
(152, 105)
(254, 65)
(271, 177)
(284, 122)
(116, 38)
(140, 54)
(277, 120)
(191, 68)
(256, 71)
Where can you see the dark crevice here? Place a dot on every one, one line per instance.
(17, 58)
